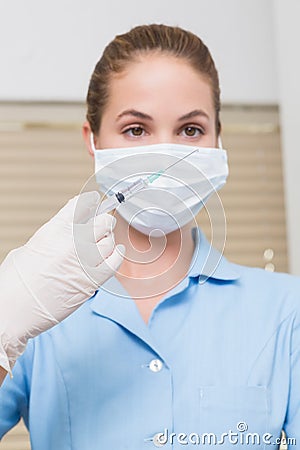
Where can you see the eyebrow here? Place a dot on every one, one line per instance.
(195, 113)
(141, 115)
(135, 113)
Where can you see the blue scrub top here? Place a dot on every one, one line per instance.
(221, 353)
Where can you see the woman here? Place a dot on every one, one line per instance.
(171, 344)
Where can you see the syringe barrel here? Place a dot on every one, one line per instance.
(134, 187)
(112, 201)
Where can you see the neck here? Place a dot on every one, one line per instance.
(153, 264)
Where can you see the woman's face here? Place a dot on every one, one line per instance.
(159, 99)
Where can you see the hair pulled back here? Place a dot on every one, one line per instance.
(128, 47)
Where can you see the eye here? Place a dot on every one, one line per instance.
(134, 131)
(192, 131)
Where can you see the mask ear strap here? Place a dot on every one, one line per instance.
(220, 145)
(92, 142)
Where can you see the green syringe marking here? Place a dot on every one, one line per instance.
(156, 175)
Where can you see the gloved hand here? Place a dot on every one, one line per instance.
(50, 276)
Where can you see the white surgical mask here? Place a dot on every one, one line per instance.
(173, 199)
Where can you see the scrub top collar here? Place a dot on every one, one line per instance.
(207, 262)
(113, 302)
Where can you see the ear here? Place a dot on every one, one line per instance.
(86, 133)
(220, 143)
(219, 139)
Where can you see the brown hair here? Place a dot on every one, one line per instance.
(126, 48)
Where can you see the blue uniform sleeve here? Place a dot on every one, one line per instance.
(292, 419)
(14, 393)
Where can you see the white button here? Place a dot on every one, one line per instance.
(155, 365)
(158, 440)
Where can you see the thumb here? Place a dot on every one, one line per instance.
(80, 208)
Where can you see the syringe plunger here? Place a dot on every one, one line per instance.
(113, 201)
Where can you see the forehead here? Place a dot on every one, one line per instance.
(160, 83)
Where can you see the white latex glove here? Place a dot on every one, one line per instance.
(49, 277)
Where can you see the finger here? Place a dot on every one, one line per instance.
(94, 230)
(105, 248)
(113, 261)
(94, 254)
(85, 206)
(108, 267)
(103, 224)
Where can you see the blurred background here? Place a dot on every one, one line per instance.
(48, 52)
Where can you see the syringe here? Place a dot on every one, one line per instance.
(120, 197)
(114, 200)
